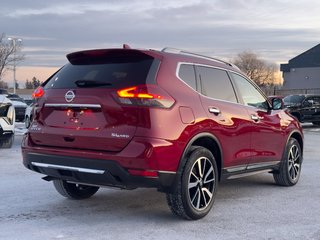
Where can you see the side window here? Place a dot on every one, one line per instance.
(250, 95)
(312, 101)
(215, 83)
(186, 74)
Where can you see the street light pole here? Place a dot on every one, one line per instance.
(14, 43)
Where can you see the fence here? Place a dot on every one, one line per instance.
(286, 92)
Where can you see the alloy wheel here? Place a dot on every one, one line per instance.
(294, 162)
(201, 185)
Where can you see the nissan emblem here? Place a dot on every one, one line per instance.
(69, 96)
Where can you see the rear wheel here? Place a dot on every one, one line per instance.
(197, 187)
(290, 166)
(73, 190)
(7, 141)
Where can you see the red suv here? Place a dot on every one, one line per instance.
(169, 119)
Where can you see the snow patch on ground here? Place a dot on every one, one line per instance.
(20, 128)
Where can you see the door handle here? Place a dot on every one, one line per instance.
(215, 111)
(256, 118)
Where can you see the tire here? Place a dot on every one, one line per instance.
(196, 189)
(290, 166)
(316, 123)
(297, 116)
(74, 191)
(7, 141)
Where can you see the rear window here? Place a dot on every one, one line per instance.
(111, 71)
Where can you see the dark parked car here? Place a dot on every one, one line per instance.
(3, 92)
(306, 108)
(172, 120)
(15, 97)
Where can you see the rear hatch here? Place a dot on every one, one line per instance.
(79, 107)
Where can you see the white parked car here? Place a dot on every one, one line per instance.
(28, 115)
(19, 106)
(7, 120)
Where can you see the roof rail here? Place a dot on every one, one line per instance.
(180, 51)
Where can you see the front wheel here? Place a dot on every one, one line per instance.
(317, 123)
(290, 166)
(197, 186)
(73, 190)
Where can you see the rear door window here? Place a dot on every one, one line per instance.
(215, 83)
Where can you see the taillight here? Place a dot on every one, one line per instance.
(145, 95)
(38, 93)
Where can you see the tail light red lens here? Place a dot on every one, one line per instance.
(38, 93)
(145, 95)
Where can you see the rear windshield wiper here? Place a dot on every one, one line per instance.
(91, 83)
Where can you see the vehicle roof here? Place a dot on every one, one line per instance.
(4, 99)
(178, 56)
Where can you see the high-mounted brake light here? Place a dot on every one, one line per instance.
(145, 95)
(38, 93)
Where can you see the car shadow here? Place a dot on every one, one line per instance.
(144, 204)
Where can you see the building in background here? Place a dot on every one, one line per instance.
(302, 71)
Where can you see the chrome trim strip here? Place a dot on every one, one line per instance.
(236, 169)
(263, 164)
(169, 172)
(247, 174)
(77, 169)
(72, 105)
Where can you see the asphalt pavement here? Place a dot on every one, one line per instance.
(247, 208)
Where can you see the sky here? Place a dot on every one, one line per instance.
(277, 30)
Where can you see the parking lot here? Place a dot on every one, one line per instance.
(247, 208)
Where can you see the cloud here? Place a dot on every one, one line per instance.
(277, 30)
(94, 6)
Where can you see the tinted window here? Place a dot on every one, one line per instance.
(293, 99)
(186, 73)
(3, 91)
(215, 83)
(122, 72)
(313, 101)
(250, 95)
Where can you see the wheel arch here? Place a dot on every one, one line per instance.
(298, 136)
(208, 141)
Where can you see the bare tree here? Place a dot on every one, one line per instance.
(260, 71)
(9, 54)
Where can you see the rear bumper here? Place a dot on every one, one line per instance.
(94, 172)
(107, 169)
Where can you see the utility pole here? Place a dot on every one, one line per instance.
(14, 41)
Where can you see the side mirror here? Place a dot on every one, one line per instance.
(276, 103)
